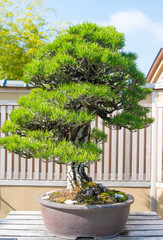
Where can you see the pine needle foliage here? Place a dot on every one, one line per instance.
(84, 73)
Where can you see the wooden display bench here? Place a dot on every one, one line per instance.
(28, 225)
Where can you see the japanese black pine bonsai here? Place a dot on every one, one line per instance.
(83, 73)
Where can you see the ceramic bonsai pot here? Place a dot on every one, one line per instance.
(72, 221)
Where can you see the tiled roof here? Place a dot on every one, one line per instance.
(13, 83)
(155, 66)
(21, 84)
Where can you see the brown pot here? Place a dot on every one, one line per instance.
(72, 221)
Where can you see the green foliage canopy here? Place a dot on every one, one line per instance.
(23, 30)
(83, 73)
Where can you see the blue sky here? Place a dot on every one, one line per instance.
(140, 20)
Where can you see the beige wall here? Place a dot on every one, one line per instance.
(13, 96)
(7, 93)
(13, 198)
(141, 196)
(160, 97)
(160, 202)
(24, 198)
(160, 79)
(148, 99)
(158, 75)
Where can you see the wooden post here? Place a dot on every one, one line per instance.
(159, 145)
(127, 154)
(99, 164)
(134, 155)
(153, 201)
(141, 154)
(2, 151)
(120, 154)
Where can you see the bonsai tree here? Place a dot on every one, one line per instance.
(83, 73)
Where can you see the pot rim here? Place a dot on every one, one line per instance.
(56, 205)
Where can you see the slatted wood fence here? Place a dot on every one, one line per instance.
(126, 158)
(129, 158)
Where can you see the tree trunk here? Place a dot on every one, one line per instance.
(76, 176)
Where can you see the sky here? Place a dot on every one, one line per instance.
(140, 20)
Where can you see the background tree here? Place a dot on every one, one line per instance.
(83, 73)
(23, 30)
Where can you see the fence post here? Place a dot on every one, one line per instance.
(2, 151)
(153, 200)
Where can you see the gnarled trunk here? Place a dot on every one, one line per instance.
(76, 176)
(78, 134)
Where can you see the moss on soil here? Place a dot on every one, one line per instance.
(80, 196)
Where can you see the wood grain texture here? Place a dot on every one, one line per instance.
(25, 225)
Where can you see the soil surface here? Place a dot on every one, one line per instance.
(91, 194)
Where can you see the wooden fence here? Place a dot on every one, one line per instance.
(126, 158)
(129, 158)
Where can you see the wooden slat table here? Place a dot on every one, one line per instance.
(28, 225)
